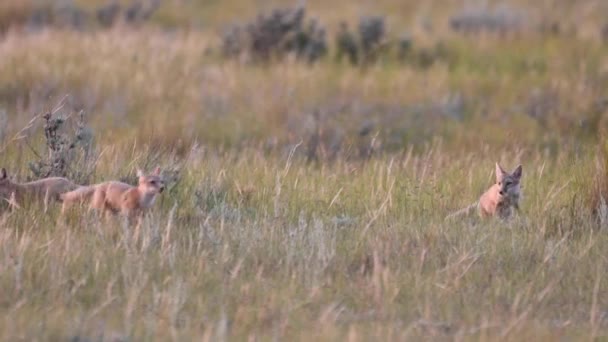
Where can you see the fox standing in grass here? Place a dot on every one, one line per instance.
(117, 197)
(43, 190)
(500, 199)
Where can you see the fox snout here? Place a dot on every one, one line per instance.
(160, 185)
(505, 191)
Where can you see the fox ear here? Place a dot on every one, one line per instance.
(140, 173)
(157, 171)
(500, 173)
(3, 174)
(518, 171)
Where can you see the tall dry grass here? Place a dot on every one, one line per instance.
(344, 250)
(307, 202)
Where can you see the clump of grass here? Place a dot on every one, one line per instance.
(38, 15)
(598, 194)
(367, 45)
(69, 154)
(14, 13)
(372, 31)
(501, 19)
(275, 35)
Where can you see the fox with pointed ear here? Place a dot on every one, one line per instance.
(500, 199)
(42, 191)
(117, 197)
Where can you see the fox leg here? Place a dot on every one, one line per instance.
(98, 203)
(13, 203)
(134, 221)
(64, 207)
(67, 203)
(134, 216)
(98, 200)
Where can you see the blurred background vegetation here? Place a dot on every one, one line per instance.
(230, 73)
(312, 150)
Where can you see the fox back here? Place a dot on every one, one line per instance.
(118, 197)
(44, 189)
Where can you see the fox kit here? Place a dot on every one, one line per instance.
(500, 199)
(117, 197)
(43, 190)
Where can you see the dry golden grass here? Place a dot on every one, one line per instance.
(284, 219)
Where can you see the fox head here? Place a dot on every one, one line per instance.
(508, 183)
(151, 184)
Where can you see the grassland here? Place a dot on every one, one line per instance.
(307, 201)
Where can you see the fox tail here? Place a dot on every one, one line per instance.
(463, 212)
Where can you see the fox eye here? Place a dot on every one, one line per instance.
(508, 183)
(153, 182)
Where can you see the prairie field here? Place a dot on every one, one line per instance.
(306, 193)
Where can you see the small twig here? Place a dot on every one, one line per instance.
(19, 135)
(377, 213)
(59, 105)
(290, 157)
(335, 198)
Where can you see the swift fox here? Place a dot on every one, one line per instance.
(500, 199)
(117, 197)
(17, 194)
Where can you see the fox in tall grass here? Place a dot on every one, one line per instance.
(500, 199)
(115, 197)
(41, 191)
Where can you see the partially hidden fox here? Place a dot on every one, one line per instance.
(115, 197)
(500, 199)
(41, 191)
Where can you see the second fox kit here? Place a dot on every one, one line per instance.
(43, 190)
(500, 199)
(118, 197)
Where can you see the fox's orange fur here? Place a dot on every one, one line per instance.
(500, 199)
(117, 197)
(43, 190)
